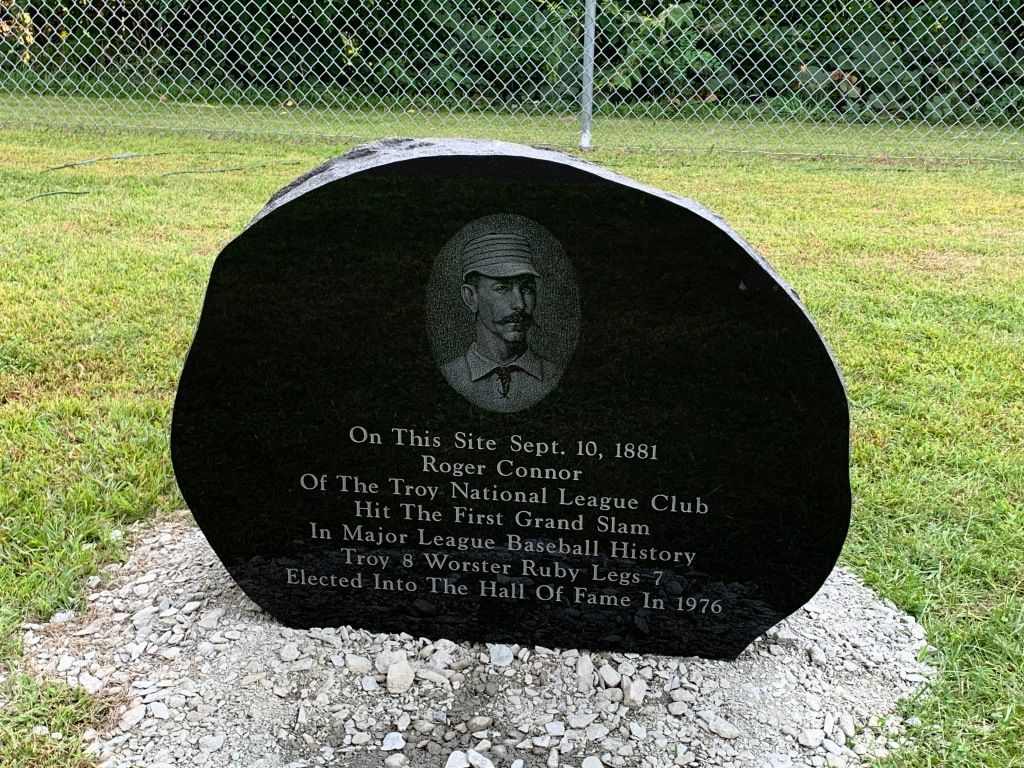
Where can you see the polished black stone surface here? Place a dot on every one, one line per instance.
(332, 318)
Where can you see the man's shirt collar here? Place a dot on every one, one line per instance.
(481, 366)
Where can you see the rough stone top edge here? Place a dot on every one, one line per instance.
(398, 149)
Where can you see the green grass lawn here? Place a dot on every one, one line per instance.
(761, 128)
(913, 271)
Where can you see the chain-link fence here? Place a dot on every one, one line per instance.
(861, 77)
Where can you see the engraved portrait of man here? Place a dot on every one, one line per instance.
(500, 290)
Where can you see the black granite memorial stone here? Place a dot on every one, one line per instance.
(487, 392)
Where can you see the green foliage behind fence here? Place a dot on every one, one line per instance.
(955, 61)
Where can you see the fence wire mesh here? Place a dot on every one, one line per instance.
(853, 77)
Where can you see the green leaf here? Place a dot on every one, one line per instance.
(722, 81)
(677, 16)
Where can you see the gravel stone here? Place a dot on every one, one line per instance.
(847, 725)
(392, 742)
(358, 664)
(633, 696)
(386, 658)
(831, 746)
(501, 655)
(212, 743)
(581, 721)
(211, 618)
(290, 652)
(91, 684)
(400, 677)
(719, 725)
(585, 673)
(609, 675)
(786, 636)
(811, 738)
(132, 717)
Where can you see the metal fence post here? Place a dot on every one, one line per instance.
(587, 95)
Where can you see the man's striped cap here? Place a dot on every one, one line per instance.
(498, 254)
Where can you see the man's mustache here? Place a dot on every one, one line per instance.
(520, 318)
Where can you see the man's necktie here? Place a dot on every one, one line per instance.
(505, 378)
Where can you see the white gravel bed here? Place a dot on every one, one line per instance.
(200, 676)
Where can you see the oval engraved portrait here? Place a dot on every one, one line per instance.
(502, 312)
